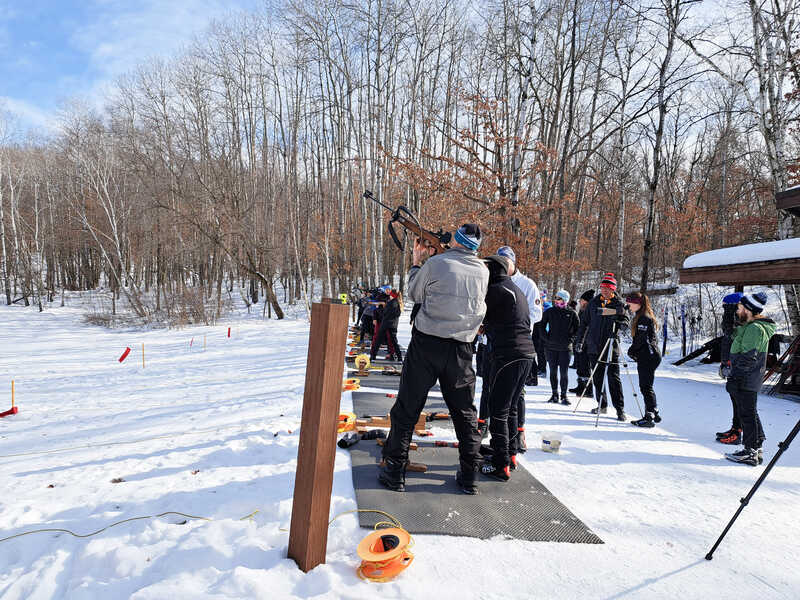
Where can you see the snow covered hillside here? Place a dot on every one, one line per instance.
(213, 433)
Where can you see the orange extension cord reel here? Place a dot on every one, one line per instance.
(384, 554)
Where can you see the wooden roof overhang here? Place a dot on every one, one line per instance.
(769, 272)
(789, 200)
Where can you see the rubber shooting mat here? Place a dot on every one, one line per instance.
(374, 404)
(521, 508)
(382, 382)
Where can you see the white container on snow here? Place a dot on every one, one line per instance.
(551, 441)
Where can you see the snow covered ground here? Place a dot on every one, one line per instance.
(214, 433)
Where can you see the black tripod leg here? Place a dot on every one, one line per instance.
(746, 500)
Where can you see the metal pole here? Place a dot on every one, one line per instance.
(782, 446)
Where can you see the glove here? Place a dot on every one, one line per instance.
(578, 347)
(725, 370)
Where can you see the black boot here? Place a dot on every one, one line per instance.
(656, 416)
(393, 474)
(553, 398)
(728, 433)
(522, 446)
(483, 428)
(466, 479)
(621, 415)
(646, 421)
(747, 456)
(564, 400)
(496, 472)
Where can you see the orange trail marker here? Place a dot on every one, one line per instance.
(125, 354)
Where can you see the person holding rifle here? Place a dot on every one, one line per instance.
(450, 289)
(748, 360)
(605, 314)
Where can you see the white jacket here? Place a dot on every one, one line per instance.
(531, 291)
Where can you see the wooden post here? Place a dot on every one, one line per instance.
(308, 534)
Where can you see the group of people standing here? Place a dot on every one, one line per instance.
(379, 313)
(460, 299)
(457, 298)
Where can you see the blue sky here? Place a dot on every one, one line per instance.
(53, 50)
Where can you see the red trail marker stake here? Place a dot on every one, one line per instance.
(125, 354)
(13, 410)
(229, 332)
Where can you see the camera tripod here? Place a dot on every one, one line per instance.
(607, 353)
(782, 446)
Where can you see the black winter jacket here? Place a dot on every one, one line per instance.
(391, 314)
(559, 328)
(598, 328)
(507, 322)
(645, 343)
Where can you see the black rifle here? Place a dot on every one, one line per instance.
(438, 240)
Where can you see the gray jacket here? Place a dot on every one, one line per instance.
(451, 287)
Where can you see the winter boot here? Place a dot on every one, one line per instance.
(656, 416)
(621, 415)
(466, 480)
(522, 447)
(495, 472)
(728, 433)
(553, 398)
(747, 456)
(513, 465)
(578, 389)
(603, 410)
(733, 439)
(646, 421)
(393, 474)
(564, 400)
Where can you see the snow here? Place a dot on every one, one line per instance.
(214, 434)
(778, 250)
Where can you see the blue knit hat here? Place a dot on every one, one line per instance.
(508, 252)
(469, 236)
(563, 295)
(754, 302)
(733, 298)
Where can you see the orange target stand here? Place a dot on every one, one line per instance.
(13, 410)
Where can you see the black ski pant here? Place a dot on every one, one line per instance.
(484, 370)
(747, 400)
(558, 361)
(614, 381)
(646, 367)
(508, 379)
(582, 365)
(538, 343)
(428, 359)
(383, 336)
(367, 327)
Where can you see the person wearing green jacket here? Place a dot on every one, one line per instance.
(748, 359)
